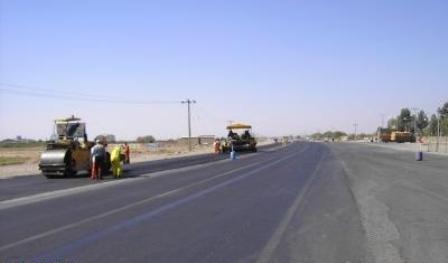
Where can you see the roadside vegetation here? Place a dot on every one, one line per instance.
(415, 121)
(9, 160)
(329, 135)
(419, 122)
(9, 144)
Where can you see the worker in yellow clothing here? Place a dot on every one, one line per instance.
(115, 160)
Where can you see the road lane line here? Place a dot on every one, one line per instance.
(266, 254)
(85, 188)
(89, 238)
(129, 206)
(120, 209)
(25, 200)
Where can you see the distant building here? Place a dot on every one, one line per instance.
(200, 140)
(344, 138)
(166, 143)
(110, 138)
(206, 139)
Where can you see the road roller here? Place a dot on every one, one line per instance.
(68, 152)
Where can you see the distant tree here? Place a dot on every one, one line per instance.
(392, 123)
(362, 135)
(146, 139)
(110, 138)
(421, 121)
(100, 138)
(432, 127)
(317, 136)
(405, 120)
(443, 115)
(444, 109)
(339, 134)
(444, 126)
(328, 135)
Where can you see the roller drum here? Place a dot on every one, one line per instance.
(54, 162)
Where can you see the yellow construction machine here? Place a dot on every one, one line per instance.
(69, 151)
(239, 138)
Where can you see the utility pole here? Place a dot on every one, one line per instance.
(356, 126)
(438, 132)
(188, 102)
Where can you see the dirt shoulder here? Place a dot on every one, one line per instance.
(402, 202)
(407, 147)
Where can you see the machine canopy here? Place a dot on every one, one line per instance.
(235, 126)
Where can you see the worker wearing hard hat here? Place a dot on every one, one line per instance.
(115, 160)
(98, 154)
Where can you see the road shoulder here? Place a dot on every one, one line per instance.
(402, 202)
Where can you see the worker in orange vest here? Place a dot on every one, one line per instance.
(217, 146)
(127, 153)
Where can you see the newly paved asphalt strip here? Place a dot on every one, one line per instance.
(16, 187)
(307, 202)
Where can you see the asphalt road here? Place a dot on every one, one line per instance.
(402, 202)
(307, 202)
(21, 186)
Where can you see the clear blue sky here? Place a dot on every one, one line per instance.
(287, 67)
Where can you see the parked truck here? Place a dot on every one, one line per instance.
(400, 137)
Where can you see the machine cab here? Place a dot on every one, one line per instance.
(70, 129)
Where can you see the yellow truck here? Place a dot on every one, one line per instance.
(400, 137)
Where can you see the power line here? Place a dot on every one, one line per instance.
(64, 95)
(39, 89)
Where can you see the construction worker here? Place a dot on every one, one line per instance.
(246, 135)
(217, 146)
(127, 153)
(115, 160)
(98, 154)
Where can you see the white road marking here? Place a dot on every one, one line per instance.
(85, 188)
(120, 209)
(266, 254)
(54, 194)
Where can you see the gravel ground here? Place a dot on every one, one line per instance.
(408, 147)
(402, 201)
